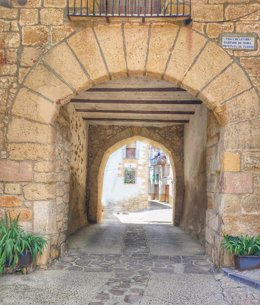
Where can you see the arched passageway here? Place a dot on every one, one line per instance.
(34, 135)
(138, 184)
(97, 206)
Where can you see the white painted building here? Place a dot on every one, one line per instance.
(126, 177)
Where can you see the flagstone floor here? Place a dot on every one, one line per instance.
(116, 263)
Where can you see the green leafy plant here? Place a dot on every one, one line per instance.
(14, 242)
(242, 245)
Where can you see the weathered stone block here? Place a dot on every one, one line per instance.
(241, 224)
(237, 82)
(22, 73)
(29, 3)
(10, 201)
(28, 16)
(111, 42)
(244, 135)
(26, 226)
(44, 221)
(6, 69)
(206, 68)
(87, 50)
(214, 29)
(21, 130)
(24, 214)
(44, 166)
(11, 56)
(231, 162)
(237, 11)
(35, 35)
(42, 260)
(36, 108)
(44, 177)
(67, 66)
(30, 56)
(5, 26)
(12, 188)
(243, 107)
(59, 33)
(251, 65)
(43, 81)
(208, 12)
(160, 47)
(230, 204)
(179, 65)
(7, 13)
(212, 220)
(251, 161)
(251, 204)
(39, 191)
(257, 184)
(14, 26)
(15, 171)
(55, 3)
(136, 47)
(243, 27)
(10, 40)
(237, 183)
(1, 188)
(51, 16)
(29, 151)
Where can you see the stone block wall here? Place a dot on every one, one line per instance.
(77, 214)
(35, 79)
(193, 217)
(213, 17)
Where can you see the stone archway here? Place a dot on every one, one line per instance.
(165, 51)
(97, 165)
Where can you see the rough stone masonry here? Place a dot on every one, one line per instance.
(46, 59)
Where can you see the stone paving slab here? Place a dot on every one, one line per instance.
(133, 276)
(47, 287)
(183, 289)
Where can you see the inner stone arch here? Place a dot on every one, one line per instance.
(95, 207)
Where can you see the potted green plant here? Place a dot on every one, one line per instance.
(245, 249)
(18, 249)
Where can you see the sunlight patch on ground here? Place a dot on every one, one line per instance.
(143, 217)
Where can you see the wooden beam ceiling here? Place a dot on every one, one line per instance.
(136, 101)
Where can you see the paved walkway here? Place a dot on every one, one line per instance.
(117, 263)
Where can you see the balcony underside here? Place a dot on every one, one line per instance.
(129, 10)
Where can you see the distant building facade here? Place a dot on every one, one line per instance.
(160, 176)
(125, 185)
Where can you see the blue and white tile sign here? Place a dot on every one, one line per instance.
(244, 41)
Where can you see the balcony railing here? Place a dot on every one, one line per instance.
(129, 8)
(159, 160)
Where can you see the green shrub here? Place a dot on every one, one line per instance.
(14, 241)
(242, 245)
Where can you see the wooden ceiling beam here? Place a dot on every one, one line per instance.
(170, 89)
(147, 102)
(134, 111)
(136, 120)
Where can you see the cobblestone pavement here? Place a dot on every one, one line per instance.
(119, 264)
(131, 272)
